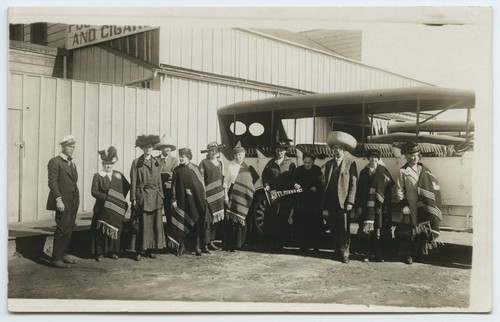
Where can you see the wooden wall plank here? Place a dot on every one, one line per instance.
(129, 129)
(153, 112)
(203, 111)
(141, 116)
(193, 122)
(15, 93)
(46, 148)
(91, 144)
(78, 129)
(196, 53)
(105, 116)
(117, 125)
(183, 113)
(30, 160)
(15, 153)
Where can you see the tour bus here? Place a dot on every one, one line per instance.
(369, 116)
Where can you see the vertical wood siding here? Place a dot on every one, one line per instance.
(97, 64)
(236, 53)
(42, 110)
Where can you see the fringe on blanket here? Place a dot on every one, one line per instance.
(107, 229)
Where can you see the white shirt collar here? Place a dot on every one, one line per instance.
(103, 173)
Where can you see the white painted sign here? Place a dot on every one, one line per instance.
(85, 35)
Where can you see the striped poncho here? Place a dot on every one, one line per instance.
(429, 205)
(189, 194)
(241, 196)
(378, 188)
(213, 179)
(114, 209)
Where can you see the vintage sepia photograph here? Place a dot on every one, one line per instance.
(249, 159)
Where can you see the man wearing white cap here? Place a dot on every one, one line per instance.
(64, 199)
(341, 175)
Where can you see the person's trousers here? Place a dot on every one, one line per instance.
(339, 224)
(65, 223)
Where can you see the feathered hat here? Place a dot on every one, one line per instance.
(110, 156)
(145, 140)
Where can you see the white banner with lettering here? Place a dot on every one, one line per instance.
(85, 35)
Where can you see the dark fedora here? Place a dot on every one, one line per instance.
(283, 144)
(410, 148)
(147, 140)
(373, 153)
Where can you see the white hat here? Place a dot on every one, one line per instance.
(67, 140)
(165, 142)
(341, 138)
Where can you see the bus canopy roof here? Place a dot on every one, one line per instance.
(380, 101)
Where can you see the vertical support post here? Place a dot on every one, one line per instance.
(314, 125)
(467, 129)
(272, 128)
(418, 119)
(294, 131)
(234, 131)
(363, 115)
(371, 127)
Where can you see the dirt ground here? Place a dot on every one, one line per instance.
(255, 275)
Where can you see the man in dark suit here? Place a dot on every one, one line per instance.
(341, 176)
(64, 199)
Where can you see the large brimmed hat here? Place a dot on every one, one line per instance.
(284, 144)
(165, 142)
(341, 138)
(238, 148)
(410, 148)
(145, 140)
(110, 156)
(67, 140)
(213, 146)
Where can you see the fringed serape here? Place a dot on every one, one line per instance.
(429, 209)
(114, 209)
(381, 181)
(241, 196)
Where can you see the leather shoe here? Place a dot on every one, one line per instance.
(137, 257)
(181, 250)
(152, 255)
(409, 260)
(68, 260)
(205, 250)
(211, 246)
(99, 257)
(345, 259)
(60, 264)
(113, 256)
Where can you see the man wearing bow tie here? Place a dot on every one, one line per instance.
(64, 199)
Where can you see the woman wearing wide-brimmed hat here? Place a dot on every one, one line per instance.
(419, 196)
(109, 188)
(278, 175)
(373, 201)
(146, 195)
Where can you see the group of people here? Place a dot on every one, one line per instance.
(200, 201)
